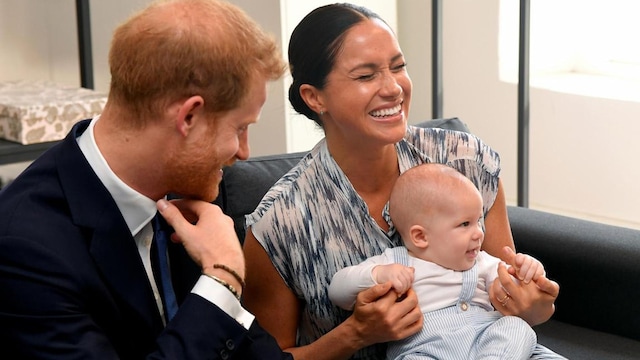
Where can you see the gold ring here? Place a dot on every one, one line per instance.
(503, 300)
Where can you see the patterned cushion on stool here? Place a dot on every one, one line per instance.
(34, 112)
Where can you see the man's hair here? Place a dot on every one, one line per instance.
(175, 49)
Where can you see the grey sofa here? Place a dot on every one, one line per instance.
(597, 266)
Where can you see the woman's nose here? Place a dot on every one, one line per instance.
(390, 86)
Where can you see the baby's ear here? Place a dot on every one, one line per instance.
(419, 236)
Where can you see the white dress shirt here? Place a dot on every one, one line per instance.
(138, 210)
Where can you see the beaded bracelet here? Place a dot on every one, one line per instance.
(230, 271)
(225, 284)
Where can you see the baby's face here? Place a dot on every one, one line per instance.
(456, 234)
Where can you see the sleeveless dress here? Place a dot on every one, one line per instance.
(312, 222)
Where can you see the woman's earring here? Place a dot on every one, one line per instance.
(321, 112)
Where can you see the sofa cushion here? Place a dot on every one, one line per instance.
(245, 183)
(577, 342)
(596, 266)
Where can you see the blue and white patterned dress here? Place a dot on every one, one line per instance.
(313, 223)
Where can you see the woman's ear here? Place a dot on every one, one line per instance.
(188, 114)
(312, 97)
(419, 236)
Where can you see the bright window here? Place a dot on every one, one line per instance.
(587, 47)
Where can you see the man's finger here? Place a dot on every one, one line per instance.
(172, 214)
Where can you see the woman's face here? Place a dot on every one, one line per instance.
(368, 91)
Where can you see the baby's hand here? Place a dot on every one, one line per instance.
(527, 268)
(400, 276)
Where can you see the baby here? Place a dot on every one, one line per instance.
(438, 213)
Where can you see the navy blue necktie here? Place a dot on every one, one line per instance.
(161, 238)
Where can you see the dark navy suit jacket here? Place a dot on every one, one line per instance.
(72, 284)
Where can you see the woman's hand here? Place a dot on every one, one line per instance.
(379, 316)
(533, 302)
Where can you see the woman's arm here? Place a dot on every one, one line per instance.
(267, 296)
(533, 302)
(377, 316)
(497, 227)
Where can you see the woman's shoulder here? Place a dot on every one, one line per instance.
(438, 137)
(447, 146)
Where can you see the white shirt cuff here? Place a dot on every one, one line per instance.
(224, 299)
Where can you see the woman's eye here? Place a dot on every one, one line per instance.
(400, 67)
(366, 77)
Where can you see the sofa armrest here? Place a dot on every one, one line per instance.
(597, 267)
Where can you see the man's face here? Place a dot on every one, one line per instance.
(198, 169)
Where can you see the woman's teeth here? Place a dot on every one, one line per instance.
(386, 112)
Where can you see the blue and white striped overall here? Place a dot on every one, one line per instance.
(465, 331)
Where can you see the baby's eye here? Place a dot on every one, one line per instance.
(465, 224)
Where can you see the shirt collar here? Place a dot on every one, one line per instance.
(136, 209)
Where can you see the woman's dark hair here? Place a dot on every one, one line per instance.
(314, 45)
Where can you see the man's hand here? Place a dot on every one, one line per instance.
(207, 234)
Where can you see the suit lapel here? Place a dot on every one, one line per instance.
(113, 248)
(184, 271)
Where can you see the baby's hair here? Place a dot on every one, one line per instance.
(421, 190)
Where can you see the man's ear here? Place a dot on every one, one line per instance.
(312, 97)
(188, 114)
(419, 236)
